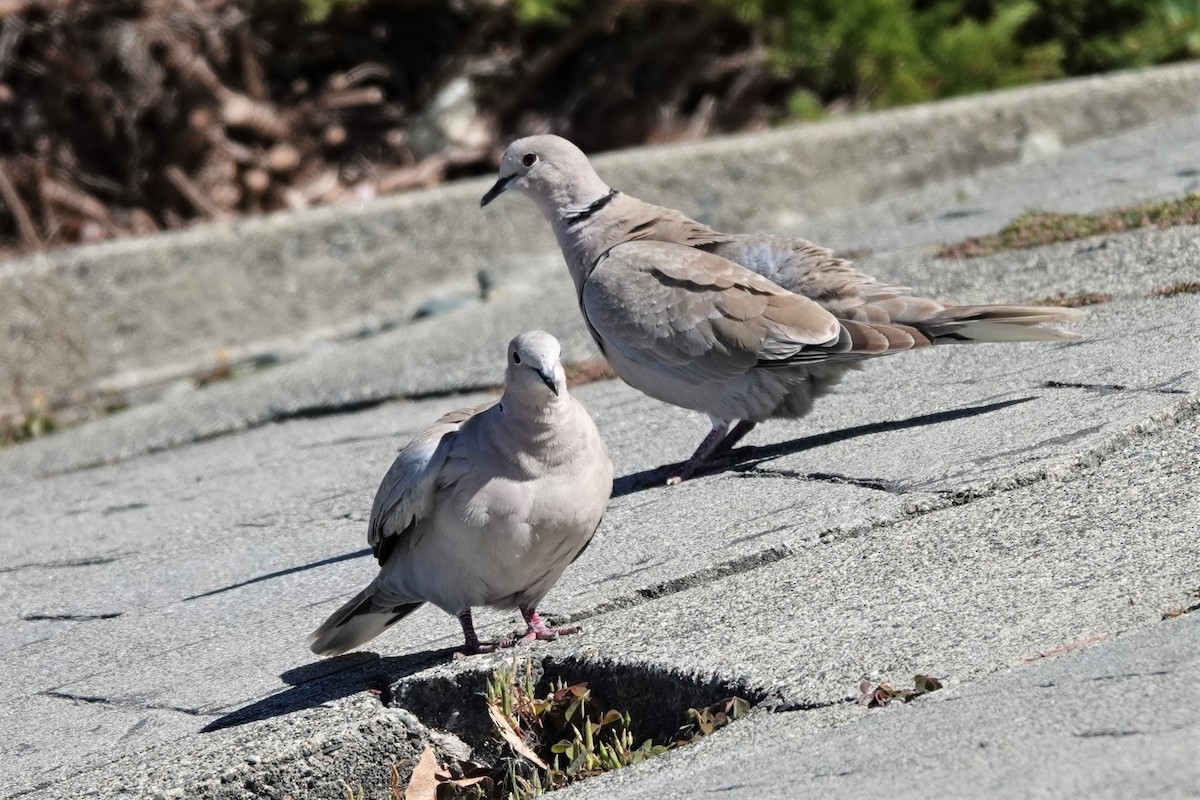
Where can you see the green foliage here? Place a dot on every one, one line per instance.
(568, 734)
(311, 11)
(34, 422)
(553, 12)
(888, 52)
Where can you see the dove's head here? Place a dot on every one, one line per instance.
(554, 173)
(535, 375)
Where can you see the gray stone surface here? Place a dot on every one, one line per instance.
(1114, 720)
(1014, 519)
(1147, 164)
(110, 318)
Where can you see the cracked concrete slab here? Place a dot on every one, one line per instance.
(1113, 720)
(955, 511)
(958, 592)
(284, 563)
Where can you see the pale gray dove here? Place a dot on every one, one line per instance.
(741, 327)
(487, 507)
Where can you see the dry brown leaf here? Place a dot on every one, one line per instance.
(423, 783)
(511, 736)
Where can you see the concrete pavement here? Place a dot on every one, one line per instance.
(1016, 520)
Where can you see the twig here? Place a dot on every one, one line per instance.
(17, 208)
(77, 201)
(192, 193)
(252, 72)
(348, 98)
(239, 111)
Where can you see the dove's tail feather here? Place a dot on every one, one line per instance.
(998, 324)
(356, 623)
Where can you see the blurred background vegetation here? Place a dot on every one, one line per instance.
(130, 116)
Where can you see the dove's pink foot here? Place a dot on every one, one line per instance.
(537, 629)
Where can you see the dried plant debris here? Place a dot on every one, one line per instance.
(431, 779)
(30, 423)
(885, 693)
(1173, 289)
(555, 737)
(1193, 596)
(580, 373)
(1035, 227)
(1061, 299)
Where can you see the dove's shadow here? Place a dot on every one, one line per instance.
(743, 456)
(280, 573)
(332, 679)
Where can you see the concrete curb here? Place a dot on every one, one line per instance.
(110, 317)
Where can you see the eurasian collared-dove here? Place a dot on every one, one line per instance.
(740, 327)
(487, 507)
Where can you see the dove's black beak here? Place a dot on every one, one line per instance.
(497, 189)
(549, 379)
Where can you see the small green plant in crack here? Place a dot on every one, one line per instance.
(884, 693)
(1036, 227)
(584, 737)
(559, 736)
(1173, 289)
(35, 421)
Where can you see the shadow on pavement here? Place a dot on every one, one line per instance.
(332, 679)
(752, 455)
(280, 573)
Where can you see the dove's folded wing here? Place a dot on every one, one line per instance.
(700, 317)
(407, 491)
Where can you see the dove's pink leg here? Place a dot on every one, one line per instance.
(538, 629)
(473, 646)
(716, 442)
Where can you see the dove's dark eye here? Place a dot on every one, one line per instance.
(530, 159)
(516, 358)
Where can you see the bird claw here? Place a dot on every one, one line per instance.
(544, 633)
(478, 648)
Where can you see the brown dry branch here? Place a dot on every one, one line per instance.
(17, 208)
(163, 112)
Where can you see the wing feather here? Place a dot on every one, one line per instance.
(407, 491)
(696, 315)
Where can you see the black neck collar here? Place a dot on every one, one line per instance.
(575, 217)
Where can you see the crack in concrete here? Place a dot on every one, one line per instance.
(757, 471)
(69, 617)
(1127, 675)
(1105, 388)
(777, 705)
(126, 704)
(707, 575)
(71, 562)
(126, 507)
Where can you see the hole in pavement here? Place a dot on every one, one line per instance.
(656, 700)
